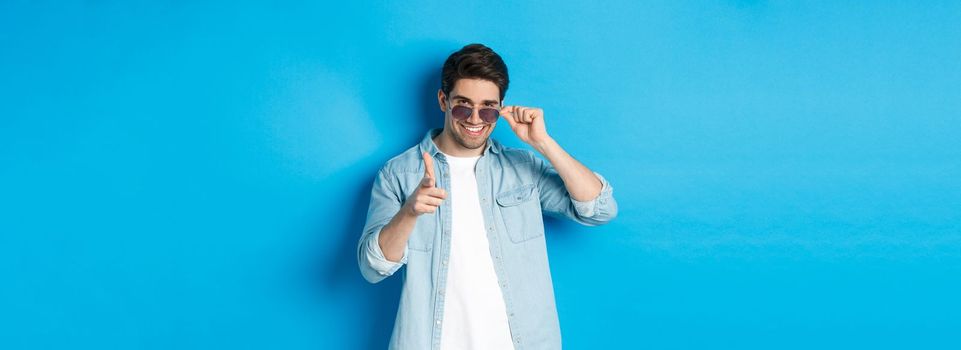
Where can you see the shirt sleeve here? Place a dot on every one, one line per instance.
(586, 208)
(376, 259)
(385, 202)
(557, 201)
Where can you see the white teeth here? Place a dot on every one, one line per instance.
(474, 129)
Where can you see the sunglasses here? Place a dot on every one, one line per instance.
(461, 112)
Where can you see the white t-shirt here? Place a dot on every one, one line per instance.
(474, 313)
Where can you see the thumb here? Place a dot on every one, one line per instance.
(508, 113)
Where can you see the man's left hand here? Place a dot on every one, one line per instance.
(527, 123)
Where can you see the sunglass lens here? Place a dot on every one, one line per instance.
(489, 115)
(461, 112)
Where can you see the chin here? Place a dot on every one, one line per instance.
(471, 143)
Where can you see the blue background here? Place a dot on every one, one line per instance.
(182, 175)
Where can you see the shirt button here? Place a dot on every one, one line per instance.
(438, 322)
(445, 261)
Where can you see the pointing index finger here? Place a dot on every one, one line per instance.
(428, 165)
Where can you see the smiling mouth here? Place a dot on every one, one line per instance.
(474, 131)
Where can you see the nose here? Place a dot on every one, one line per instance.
(475, 117)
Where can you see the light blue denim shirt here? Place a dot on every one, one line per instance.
(515, 188)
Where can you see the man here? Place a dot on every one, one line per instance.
(464, 213)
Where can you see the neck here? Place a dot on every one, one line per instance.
(445, 141)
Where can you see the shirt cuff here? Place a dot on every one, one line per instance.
(375, 256)
(587, 208)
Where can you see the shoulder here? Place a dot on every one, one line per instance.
(517, 156)
(408, 161)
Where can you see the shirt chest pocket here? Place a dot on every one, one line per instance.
(422, 237)
(521, 211)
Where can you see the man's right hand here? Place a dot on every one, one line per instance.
(426, 198)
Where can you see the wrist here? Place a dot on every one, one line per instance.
(407, 212)
(544, 146)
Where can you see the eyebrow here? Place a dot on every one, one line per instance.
(456, 97)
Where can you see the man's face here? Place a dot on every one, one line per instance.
(470, 133)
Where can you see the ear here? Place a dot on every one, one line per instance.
(441, 100)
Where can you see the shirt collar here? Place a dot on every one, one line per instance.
(428, 145)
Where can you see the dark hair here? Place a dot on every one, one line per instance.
(474, 61)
